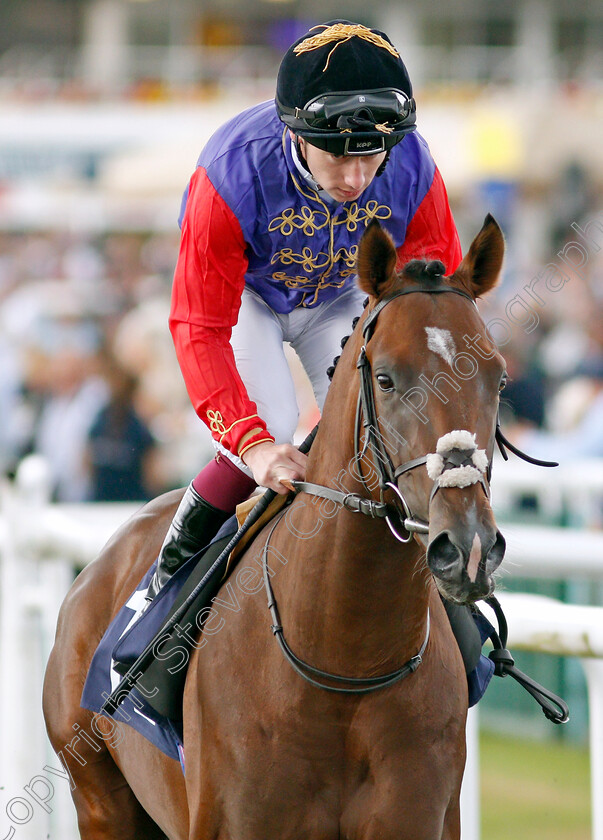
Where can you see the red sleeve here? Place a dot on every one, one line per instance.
(431, 233)
(206, 297)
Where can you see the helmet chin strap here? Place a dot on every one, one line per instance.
(383, 164)
(300, 154)
(302, 160)
(298, 149)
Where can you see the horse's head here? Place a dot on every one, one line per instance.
(433, 377)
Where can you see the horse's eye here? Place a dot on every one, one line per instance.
(503, 382)
(384, 381)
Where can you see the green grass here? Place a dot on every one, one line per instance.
(532, 790)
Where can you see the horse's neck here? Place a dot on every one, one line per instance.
(350, 580)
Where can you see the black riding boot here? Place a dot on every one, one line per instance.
(466, 633)
(194, 525)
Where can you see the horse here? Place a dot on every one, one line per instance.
(326, 697)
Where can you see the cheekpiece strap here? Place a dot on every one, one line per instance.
(350, 501)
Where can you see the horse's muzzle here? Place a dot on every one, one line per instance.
(463, 571)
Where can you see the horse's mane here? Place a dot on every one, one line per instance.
(429, 273)
(331, 369)
(424, 272)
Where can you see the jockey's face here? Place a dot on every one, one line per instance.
(345, 178)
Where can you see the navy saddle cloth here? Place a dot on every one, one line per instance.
(155, 707)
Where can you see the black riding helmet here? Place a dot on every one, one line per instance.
(345, 89)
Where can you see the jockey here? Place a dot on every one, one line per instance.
(270, 222)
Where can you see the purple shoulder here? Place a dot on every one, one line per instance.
(237, 152)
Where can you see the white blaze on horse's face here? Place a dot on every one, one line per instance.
(442, 343)
(474, 558)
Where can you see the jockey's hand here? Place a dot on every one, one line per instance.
(270, 462)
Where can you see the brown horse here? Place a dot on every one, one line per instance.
(353, 726)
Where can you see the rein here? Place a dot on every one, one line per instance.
(355, 685)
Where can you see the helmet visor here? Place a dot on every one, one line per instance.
(353, 122)
(352, 144)
(380, 109)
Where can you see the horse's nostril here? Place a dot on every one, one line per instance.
(496, 553)
(443, 557)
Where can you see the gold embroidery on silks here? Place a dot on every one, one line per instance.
(313, 285)
(305, 220)
(307, 259)
(299, 282)
(216, 422)
(363, 215)
(309, 221)
(354, 217)
(314, 262)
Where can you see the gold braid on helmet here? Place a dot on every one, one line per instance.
(385, 129)
(340, 32)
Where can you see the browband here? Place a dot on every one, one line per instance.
(369, 324)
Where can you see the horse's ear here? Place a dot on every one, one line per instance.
(376, 261)
(481, 265)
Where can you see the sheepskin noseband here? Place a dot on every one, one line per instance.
(457, 462)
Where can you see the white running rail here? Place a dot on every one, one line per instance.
(41, 545)
(545, 625)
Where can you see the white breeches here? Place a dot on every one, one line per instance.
(315, 335)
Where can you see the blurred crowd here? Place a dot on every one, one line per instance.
(550, 308)
(89, 377)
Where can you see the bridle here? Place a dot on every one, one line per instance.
(366, 413)
(398, 516)
(366, 416)
(387, 479)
